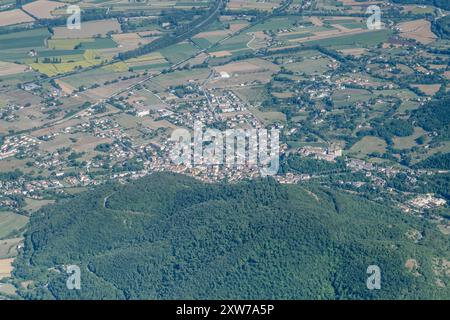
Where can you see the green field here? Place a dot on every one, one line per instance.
(11, 222)
(368, 145)
(8, 247)
(350, 96)
(308, 66)
(24, 39)
(410, 141)
(238, 42)
(178, 52)
(81, 44)
(97, 76)
(68, 63)
(33, 205)
(363, 40)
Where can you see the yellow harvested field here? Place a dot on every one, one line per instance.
(428, 89)
(247, 66)
(42, 8)
(131, 40)
(329, 34)
(357, 52)
(221, 54)
(88, 29)
(340, 27)
(357, 3)
(288, 34)
(149, 33)
(149, 59)
(437, 66)
(419, 30)
(16, 16)
(117, 67)
(6, 267)
(412, 265)
(8, 68)
(69, 63)
(249, 4)
(126, 37)
(417, 8)
(349, 19)
(65, 87)
(316, 21)
(7, 288)
(215, 33)
(237, 26)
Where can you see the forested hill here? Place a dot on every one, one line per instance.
(441, 27)
(168, 236)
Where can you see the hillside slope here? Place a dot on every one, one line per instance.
(168, 236)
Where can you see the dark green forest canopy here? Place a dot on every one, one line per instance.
(168, 236)
(442, 27)
(438, 161)
(435, 116)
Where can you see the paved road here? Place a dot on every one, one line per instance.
(172, 67)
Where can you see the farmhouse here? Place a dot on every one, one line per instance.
(142, 111)
(30, 86)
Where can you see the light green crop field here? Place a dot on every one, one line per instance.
(409, 141)
(24, 39)
(8, 247)
(309, 66)
(368, 145)
(34, 205)
(179, 52)
(10, 222)
(358, 40)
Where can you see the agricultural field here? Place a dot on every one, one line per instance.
(42, 9)
(8, 68)
(22, 40)
(5, 268)
(179, 52)
(67, 63)
(149, 61)
(253, 4)
(8, 250)
(90, 29)
(8, 18)
(318, 65)
(410, 141)
(7, 289)
(419, 30)
(11, 222)
(368, 145)
(32, 205)
(269, 117)
(129, 41)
